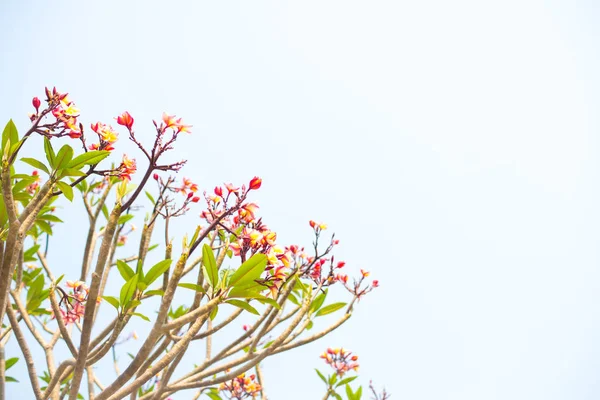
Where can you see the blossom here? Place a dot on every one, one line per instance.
(317, 226)
(128, 166)
(364, 273)
(36, 103)
(241, 387)
(340, 360)
(125, 120)
(108, 136)
(176, 124)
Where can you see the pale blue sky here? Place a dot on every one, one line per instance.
(452, 146)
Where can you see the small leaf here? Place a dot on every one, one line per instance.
(269, 301)
(192, 286)
(330, 309)
(345, 381)
(321, 376)
(213, 396)
(10, 133)
(113, 301)
(250, 270)
(44, 226)
(156, 271)
(11, 379)
(64, 156)
(66, 189)
(71, 172)
(142, 316)
(10, 362)
(243, 305)
(150, 197)
(60, 278)
(318, 301)
(50, 218)
(36, 164)
(125, 218)
(50, 155)
(89, 158)
(213, 313)
(157, 292)
(125, 270)
(128, 290)
(349, 393)
(210, 264)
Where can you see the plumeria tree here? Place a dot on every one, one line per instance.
(229, 268)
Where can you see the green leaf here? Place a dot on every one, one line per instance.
(156, 271)
(349, 392)
(157, 292)
(248, 290)
(128, 290)
(333, 379)
(345, 381)
(44, 226)
(105, 211)
(250, 270)
(318, 301)
(125, 218)
(269, 301)
(60, 278)
(210, 264)
(150, 197)
(243, 305)
(10, 362)
(50, 218)
(213, 313)
(36, 164)
(192, 286)
(71, 172)
(10, 133)
(50, 155)
(142, 316)
(125, 270)
(213, 396)
(292, 298)
(35, 288)
(358, 393)
(66, 189)
(11, 379)
(330, 309)
(90, 158)
(337, 396)
(64, 156)
(321, 376)
(113, 301)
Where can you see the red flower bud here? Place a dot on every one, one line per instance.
(341, 264)
(155, 176)
(219, 191)
(195, 199)
(36, 103)
(190, 194)
(255, 183)
(375, 283)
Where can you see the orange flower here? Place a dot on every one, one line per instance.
(125, 120)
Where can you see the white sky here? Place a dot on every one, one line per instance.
(452, 146)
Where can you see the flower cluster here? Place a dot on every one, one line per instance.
(340, 360)
(242, 387)
(107, 137)
(33, 186)
(74, 302)
(127, 167)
